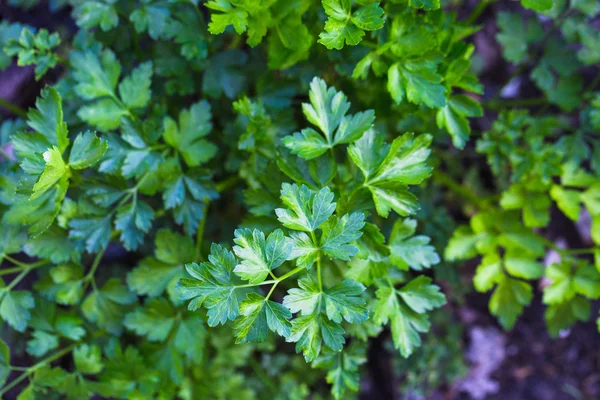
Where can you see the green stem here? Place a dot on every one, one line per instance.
(33, 368)
(21, 266)
(89, 277)
(502, 103)
(292, 272)
(18, 279)
(227, 184)
(200, 233)
(13, 108)
(444, 179)
(314, 240)
(478, 11)
(582, 251)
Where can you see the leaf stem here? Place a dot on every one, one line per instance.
(227, 184)
(14, 270)
(13, 108)
(501, 103)
(314, 240)
(36, 366)
(444, 179)
(18, 279)
(481, 6)
(24, 265)
(200, 233)
(89, 277)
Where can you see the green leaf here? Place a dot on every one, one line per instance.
(327, 110)
(342, 368)
(94, 13)
(107, 306)
(405, 323)
(96, 76)
(154, 275)
(338, 233)
(237, 17)
(516, 35)
(34, 49)
(256, 315)
(309, 332)
(562, 316)
(425, 4)
(151, 18)
(343, 300)
(388, 170)
(508, 300)
(104, 114)
(343, 25)
(14, 308)
(212, 286)
(88, 359)
(92, 233)
(537, 5)
(134, 220)
(567, 201)
(259, 256)
(135, 88)
(305, 299)
(304, 250)
(54, 171)
(154, 320)
(87, 150)
(306, 210)
(420, 295)
(187, 139)
(406, 309)
(47, 119)
(418, 81)
(411, 251)
(307, 144)
(4, 362)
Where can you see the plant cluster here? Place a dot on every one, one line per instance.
(281, 175)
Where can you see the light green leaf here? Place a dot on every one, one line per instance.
(47, 119)
(88, 359)
(338, 233)
(135, 89)
(212, 286)
(410, 251)
(306, 210)
(194, 124)
(14, 308)
(343, 300)
(54, 171)
(259, 256)
(87, 150)
(256, 315)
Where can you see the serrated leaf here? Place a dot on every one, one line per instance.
(309, 332)
(14, 308)
(212, 286)
(87, 150)
(187, 137)
(260, 256)
(343, 300)
(88, 359)
(134, 220)
(47, 119)
(410, 251)
(257, 316)
(306, 210)
(154, 320)
(338, 233)
(135, 88)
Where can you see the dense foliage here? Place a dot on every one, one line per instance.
(283, 174)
